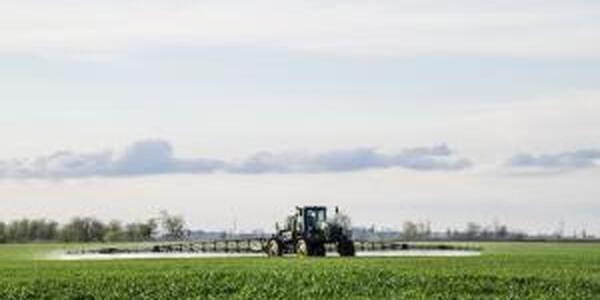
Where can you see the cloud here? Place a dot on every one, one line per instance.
(155, 157)
(434, 158)
(96, 28)
(557, 162)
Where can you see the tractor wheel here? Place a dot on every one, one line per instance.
(274, 248)
(303, 248)
(346, 248)
(319, 250)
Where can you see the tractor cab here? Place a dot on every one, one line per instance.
(312, 218)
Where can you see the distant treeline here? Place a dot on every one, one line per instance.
(421, 231)
(167, 227)
(88, 229)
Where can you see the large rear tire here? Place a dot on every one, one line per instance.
(346, 248)
(303, 248)
(274, 248)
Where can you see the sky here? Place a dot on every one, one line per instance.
(235, 112)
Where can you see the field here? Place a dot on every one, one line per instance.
(504, 271)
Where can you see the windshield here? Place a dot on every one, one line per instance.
(314, 217)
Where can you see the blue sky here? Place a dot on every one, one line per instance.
(328, 101)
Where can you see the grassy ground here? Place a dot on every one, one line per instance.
(504, 271)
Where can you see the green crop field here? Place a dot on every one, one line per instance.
(504, 271)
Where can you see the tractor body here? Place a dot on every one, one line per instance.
(308, 231)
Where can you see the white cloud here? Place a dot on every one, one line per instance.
(554, 163)
(423, 158)
(522, 28)
(153, 157)
(148, 157)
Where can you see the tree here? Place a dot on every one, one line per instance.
(173, 226)
(42, 230)
(449, 233)
(2, 232)
(83, 230)
(423, 230)
(410, 230)
(414, 231)
(144, 231)
(473, 230)
(18, 231)
(114, 232)
(502, 232)
(147, 230)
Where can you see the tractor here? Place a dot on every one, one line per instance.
(308, 231)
